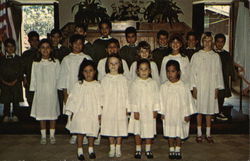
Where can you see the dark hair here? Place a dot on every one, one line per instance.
(105, 21)
(130, 30)
(176, 65)
(75, 38)
(144, 45)
(162, 32)
(38, 57)
(32, 34)
(143, 61)
(83, 65)
(82, 26)
(220, 35)
(191, 33)
(9, 41)
(120, 69)
(179, 38)
(56, 31)
(115, 41)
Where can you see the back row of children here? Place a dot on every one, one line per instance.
(90, 103)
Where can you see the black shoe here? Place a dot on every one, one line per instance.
(149, 155)
(81, 157)
(92, 155)
(171, 155)
(178, 155)
(138, 155)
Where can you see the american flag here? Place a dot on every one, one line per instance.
(7, 28)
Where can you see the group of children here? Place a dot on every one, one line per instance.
(112, 92)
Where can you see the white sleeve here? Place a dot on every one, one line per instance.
(163, 75)
(100, 70)
(133, 74)
(63, 74)
(33, 78)
(126, 69)
(161, 100)
(193, 73)
(133, 98)
(156, 97)
(58, 68)
(219, 74)
(155, 72)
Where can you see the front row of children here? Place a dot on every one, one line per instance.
(110, 101)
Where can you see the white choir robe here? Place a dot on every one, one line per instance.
(206, 76)
(144, 98)
(69, 71)
(154, 71)
(115, 105)
(184, 66)
(44, 79)
(176, 103)
(102, 72)
(84, 102)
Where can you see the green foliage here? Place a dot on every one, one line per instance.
(162, 11)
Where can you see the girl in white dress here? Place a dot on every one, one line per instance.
(115, 104)
(144, 102)
(44, 78)
(206, 80)
(176, 106)
(177, 53)
(144, 52)
(113, 47)
(69, 69)
(84, 107)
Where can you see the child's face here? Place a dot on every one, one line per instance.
(45, 50)
(55, 39)
(34, 41)
(89, 73)
(113, 65)
(143, 71)
(144, 53)
(77, 46)
(191, 41)
(10, 48)
(176, 45)
(207, 43)
(112, 48)
(80, 31)
(131, 38)
(172, 74)
(219, 43)
(163, 40)
(105, 30)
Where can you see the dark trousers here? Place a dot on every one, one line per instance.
(221, 99)
(29, 96)
(6, 109)
(60, 98)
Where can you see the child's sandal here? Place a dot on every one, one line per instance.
(209, 139)
(178, 155)
(171, 155)
(199, 139)
(80, 157)
(149, 155)
(137, 155)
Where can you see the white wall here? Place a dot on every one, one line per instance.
(66, 5)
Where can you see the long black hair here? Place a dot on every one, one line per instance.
(176, 65)
(38, 56)
(83, 65)
(179, 38)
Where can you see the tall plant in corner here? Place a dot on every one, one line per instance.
(162, 11)
(90, 12)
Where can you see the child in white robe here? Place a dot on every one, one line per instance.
(84, 107)
(115, 104)
(113, 47)
(70, 67)
(144, 102)
(44, 78)
(206, 80)
(176, 106)
(144, 52)
(177, 53)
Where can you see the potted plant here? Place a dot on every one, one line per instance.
(89, 12)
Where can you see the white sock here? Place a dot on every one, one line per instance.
(138, 147)
(52, 133)
(208, 131)
(118, 147)
(177, 149)
(148, 147)
(43, 133)
(171, 149)
(73, 136)
(112, 146)
(91, 150)
(79, 151)
(199, 133)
